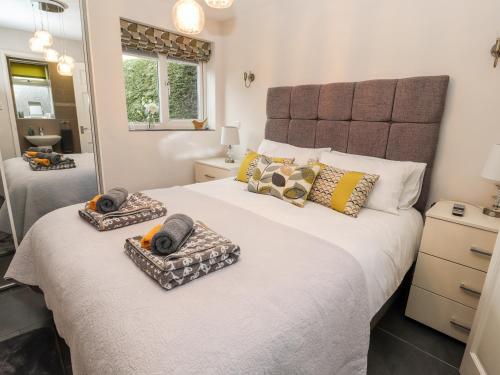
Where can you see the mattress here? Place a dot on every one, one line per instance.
(35, 193)
(293, 303)
(385, 245)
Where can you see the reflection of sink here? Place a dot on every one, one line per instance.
(43, 140)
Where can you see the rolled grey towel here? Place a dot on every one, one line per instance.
(112, 200)
(174, 233)
(54, 157)
(40, 149)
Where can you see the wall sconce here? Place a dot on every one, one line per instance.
(495, 52)
(249, 77)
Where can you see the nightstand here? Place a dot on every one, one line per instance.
(453, 259)
(214, 169)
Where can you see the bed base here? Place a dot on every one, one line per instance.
(402, 290)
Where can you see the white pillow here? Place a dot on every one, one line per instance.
(302, 155)
(399, 184)
(413, 185)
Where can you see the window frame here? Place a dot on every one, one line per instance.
(164, 99)
(25, 81)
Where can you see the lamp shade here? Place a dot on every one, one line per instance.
(491, 170)
(230, 136)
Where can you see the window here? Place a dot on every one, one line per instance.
(31, 88)
(141, 88)
(177, 89)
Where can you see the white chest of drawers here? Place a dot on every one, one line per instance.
(451, 268)
(214, 169)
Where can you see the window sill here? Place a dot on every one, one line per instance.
(171, 130)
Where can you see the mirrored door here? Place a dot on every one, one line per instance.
(47, 136)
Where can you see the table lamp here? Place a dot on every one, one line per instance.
(491, 171)
(230, 137)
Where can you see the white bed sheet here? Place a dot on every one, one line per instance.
(385, 245)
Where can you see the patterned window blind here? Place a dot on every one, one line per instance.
(141, 38)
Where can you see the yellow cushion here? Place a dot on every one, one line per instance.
(341, 190)
(250, 162)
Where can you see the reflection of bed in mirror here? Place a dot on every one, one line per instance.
(36, 193)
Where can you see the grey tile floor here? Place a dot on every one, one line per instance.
(398, 345)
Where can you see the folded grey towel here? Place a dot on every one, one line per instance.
(54, 157)
(174, 233)
(40, 149)
(112, 200)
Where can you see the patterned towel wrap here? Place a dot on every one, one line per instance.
(204, 252)
(137, 209)
(65, 163)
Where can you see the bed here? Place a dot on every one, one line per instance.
(308, 282)
(36, 193)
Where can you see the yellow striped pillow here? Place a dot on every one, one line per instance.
(341, 190)
(250, 162)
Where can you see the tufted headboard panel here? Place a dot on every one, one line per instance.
(395, 119)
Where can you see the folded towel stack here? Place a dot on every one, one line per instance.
(137, 208)
(111, 201)
(168, 238)
(52, 157)
(49, 161)
(203, 252)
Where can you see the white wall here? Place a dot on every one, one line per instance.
(17, 41)
(142, 160)
(290, 42)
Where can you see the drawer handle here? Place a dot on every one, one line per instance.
(463, 286)
(479, 251)
(209, 176)
(460, 325)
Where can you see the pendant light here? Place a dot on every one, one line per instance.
(36, 45)
(188, 17)
(44, 37)
(219, 4)
(51, 55)
(66, 65)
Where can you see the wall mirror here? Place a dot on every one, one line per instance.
(45, 103)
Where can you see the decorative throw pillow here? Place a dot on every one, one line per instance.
(291, 183)
(250, 162)
(341, 190)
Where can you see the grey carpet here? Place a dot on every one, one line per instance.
(34, 353)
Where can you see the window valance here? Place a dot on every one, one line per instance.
(148, 39)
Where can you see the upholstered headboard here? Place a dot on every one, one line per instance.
(396, 119)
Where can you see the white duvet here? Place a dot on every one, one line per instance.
(385, 245)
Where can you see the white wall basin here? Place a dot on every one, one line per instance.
(43, 140)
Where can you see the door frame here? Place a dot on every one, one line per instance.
(7, 201)
(471, 363)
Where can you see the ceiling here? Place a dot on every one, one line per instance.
(20, 16)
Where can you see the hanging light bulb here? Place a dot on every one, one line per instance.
(188, 16)
(44, 37)
(219, 4)
(51, 55)
(36, 45)
(66, 65)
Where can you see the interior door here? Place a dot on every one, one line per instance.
(482, 354)
(82, 100)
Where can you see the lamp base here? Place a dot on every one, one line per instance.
(491, 212)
